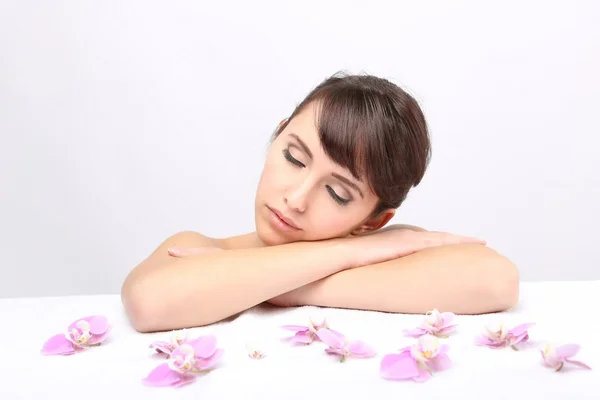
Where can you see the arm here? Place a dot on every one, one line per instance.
(464, 279)
(165, 293)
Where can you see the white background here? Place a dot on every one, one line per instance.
(123, 122)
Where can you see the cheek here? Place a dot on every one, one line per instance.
(329, 220)
(273, 174)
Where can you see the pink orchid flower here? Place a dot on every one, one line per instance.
(82, 333)
(186, 361)
(556, 357)
(305, 334)
(339, 344)
(166, 348)
(256, 352)
(435, 323)
(416, 362)
(500, 336)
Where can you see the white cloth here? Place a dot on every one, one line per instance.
(563, 311)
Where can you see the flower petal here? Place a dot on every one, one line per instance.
(567, 350)
(161, 347)
(98, 324)
(440, 363)
(302, 337)
(204, 346)
(331, 350)
(578, 363)
(417, 332)
(58, 345)
(443, 349)
(185, 380)
(518, 339)
(336, 333)
(294, 328)
(422, 376)
(95, 339)
(162, 376)
(520, 329)
(548, 359)
(446, 329)
(486, 341)
(330, 338)
(361, 349)
(398, 366)
(208, 363)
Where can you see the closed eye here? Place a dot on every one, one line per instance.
(338, 199)
(288, 156)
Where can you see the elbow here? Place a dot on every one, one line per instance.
(151, 308)
(136, 307)
(141, 305)
(497, 283)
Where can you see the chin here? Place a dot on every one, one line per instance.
(269, 235)
(270, 239)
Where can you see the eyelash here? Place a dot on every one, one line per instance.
(341, 201)
(288, 156)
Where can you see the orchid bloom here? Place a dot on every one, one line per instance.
(166, 348)
(339, 344)
(305, 334)
(186, 361)
(416, 362)
(500, 336)
(435, 323)
(255, 351)
(556, 357)
(82, 333)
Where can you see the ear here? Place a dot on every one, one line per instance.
(374, 223)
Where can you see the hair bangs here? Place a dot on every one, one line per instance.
(354, 128)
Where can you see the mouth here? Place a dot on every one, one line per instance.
(287, 222)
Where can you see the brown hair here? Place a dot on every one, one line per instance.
(374, 129)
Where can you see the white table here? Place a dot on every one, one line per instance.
(563, 311)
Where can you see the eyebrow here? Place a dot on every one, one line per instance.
(303, 145)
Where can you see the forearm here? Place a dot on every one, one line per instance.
(464, 279)
(203, 289)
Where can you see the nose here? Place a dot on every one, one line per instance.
(296, 196)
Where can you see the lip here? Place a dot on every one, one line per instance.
(283, 218)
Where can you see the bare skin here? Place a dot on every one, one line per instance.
(330, 253)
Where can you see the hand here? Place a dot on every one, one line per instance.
(190, 251)
(387, 245)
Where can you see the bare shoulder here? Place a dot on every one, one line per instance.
(160, 255)
(183, 239)
(189, 239)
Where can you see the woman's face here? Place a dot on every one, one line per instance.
(301, 185)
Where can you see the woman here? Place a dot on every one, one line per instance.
(336, 171)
